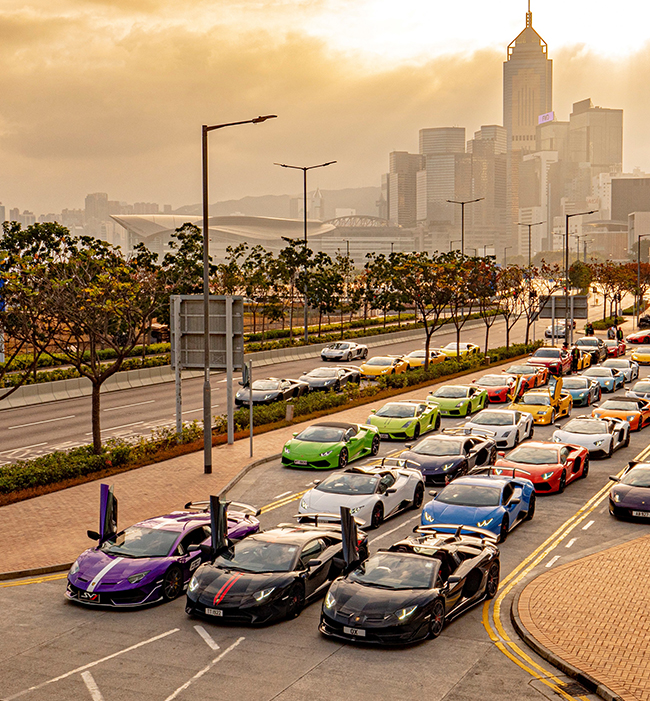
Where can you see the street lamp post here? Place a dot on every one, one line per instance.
(505, 256)
(638, 278)
(207, 392)
(304, 207)
(485, 245)
(462, 204)
(568, 324)
(530, 226)
(452, 242)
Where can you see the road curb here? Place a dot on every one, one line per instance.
(586, 680)
(245, 470)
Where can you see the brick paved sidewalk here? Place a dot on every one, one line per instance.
(50, 530)
(594, 613)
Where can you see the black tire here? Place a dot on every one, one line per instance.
(562, 486)
(531, 507)
(505, 525)
(337, 386)
(365, 354)
(172, 585)
(438, 422)
(437, 618)
(348, 357)
(610, 450)
(418, 496)
(374, 447)
(492, 584)
(296, 601)
(343, 457)
(517, 440)
(377, 517)
(553, 417)
(585, 468)
(416, 432)
(531, 433)
(626, 442)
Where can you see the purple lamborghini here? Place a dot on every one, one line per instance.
(152, 560)
(629, 498)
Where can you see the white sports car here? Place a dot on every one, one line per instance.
(372, 492)
(509, 426)
(641, 390)
(628, 367)
(598, 436)
(344, 350)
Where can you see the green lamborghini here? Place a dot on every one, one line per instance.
(405, 419)
(458, 400)
(330, 444)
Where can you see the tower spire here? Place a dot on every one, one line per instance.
(529, 16)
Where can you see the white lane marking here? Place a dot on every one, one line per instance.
(193, 411)
(128, 406)
(93, 664)
(551, 562)
(203, 671)
(284, 494)
(206, 636)
(591, 523)
(383, 535)
(23, 447)
(98, 577)
(45, 421)
(91, 685)
(570, 543)
(114, 428)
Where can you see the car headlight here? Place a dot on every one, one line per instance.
(287, 449)
(448, 466)
(617, 498)
(194, 584)
(329, 600)
(386, 370)
(404, 613)
(407, 424)
(326, 453)
(75, 567)
(557, 439)
(135, 578)
(630, 418)
(267, 396)
(460, 404)
(356, 509)
(427, 516)
(547, 475)
(599, 443)
(303, 504)
(483, 524)
(582, 395)
(263, 594)
(506, 434)
(543, 412)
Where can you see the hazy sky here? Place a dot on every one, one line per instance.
(109, 95)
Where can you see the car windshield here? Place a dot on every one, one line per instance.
(266, 384)
(533, 456)
(321, 434)
(453, 346)
(258, 555)
(450, 392)
(349, 483)
(585, 426)
(535, 400)
(379, 361)
(492, 381)
(494, 418)
(575, 383)
(547, 353)
(322, 372)
(641, 387)
(520, 370)
(469, 495)
(397, 411)
(617, 364)
(587, 342)
(637, 477)
(615, 405)
(338, 346)
(416, 354)
(610, 343)
(598, 372)
(141, 542)
(438, 447)
(395, 571)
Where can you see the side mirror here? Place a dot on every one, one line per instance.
(93, 535)
(614, 478)
(391, 490)
(317, 482)
(193, 548)
(501, 454)
(294, 434)
(514, 502)
(314, 563)
(453, 579)
(373, 411)
(408, 446)
(241, 383)
(433, 493)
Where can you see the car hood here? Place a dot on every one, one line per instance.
(389, 422)
(328, 502)
(431, 462)
(446, 401)
(533, 470)
(318, 381)
(302, 450)
(453, 513)
(632, 497)
(355, 599)
(214, 581)
(114, 570)
(258, 394)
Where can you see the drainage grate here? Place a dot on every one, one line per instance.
(574, 689)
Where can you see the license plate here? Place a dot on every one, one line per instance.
(214, 612)
(356, 632)
(642, 514)
(89, 596)
(383, 435)
(300, 462)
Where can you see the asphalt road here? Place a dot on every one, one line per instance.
(43, 428)
(54, 650)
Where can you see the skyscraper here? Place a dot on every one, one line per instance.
(402, 188)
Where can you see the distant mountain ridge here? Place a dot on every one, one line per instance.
(362, 199)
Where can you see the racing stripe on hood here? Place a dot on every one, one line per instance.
(225, 589)
(98, 577)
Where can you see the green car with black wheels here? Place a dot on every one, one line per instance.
(330, 444)
(458, 400)
(405, 420)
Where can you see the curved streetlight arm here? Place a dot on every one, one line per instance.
(256, 120)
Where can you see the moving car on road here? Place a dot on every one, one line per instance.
(453, 350)
(629, 498)
(547, 404)
(509, 427)
(584, 390)
(595, 345)
(615, 349)
(635, 411)
(609, 379)
(344, 350)
(322, 379)
(628, 367)
(532, 375)
(408, 592)
(499, 388)
(372, 493)
(330, 444)
(453, 453)
(549, 466)
(497, 504)
(458, 400)
(641, 390)
(641, 355)
(270, 390)
(416, 358)
(383, 365)
(150, 561)
(639, 337)
(557, 360)
(406, 419)
(599, 436)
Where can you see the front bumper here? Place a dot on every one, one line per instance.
(374, 632)
(128, 598)
(234, 612)
(321, 464)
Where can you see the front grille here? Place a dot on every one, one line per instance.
(543, 487)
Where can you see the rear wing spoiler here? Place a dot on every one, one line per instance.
(456, 530)
(205, 506)
(323, 518)
(464, 431)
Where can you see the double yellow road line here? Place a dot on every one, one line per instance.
(493, 622)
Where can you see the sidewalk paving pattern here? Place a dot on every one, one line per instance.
(594, 613)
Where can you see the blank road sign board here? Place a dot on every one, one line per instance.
(555, 307)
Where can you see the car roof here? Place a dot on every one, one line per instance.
(295, 534)
(482, 481)
(176, 521)
(337, 424)
(539, 444)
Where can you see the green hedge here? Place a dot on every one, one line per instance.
(609, 321)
